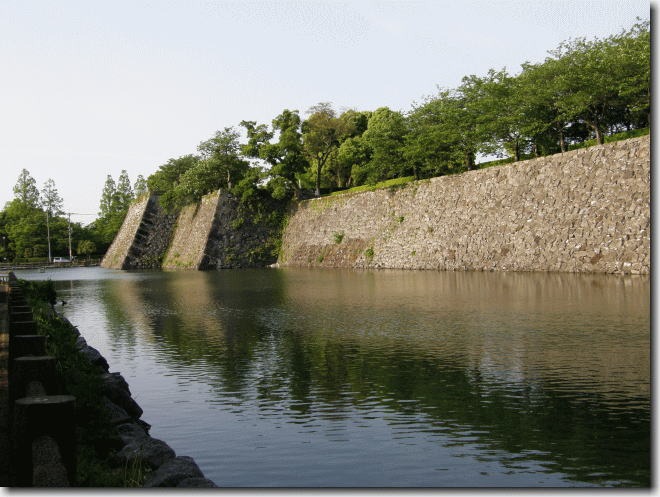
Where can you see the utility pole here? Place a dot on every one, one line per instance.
(50, 258)
(69, 215)
(70, 253)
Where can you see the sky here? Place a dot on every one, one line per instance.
(88, 88)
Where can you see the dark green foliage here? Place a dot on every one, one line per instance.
(584, 90)
(39, 291)
(164, 181)
(116, 199)
(385, 140)
(219, 166)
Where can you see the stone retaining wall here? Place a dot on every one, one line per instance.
(143, 237)
(191, 233)
(218, 232)
(117, 254)
(582, 211)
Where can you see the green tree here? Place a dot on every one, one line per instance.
(51, 201)
(541, 93)
(25, 221)
(321, 135)
(630, 59)
(86, 248)
(123, 193)
(25, 230)
(223, 152)
(495, 99)
(5, 252)
(108, 195)
(25, 189)
(220, 166)
(439, 141)
(595, 83)
(286, 157)
(385, 138)
(140, 186)
(52, 204)
(353, 156)
(164, 181)
(115, 201)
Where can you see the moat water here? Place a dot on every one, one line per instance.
(333, 378)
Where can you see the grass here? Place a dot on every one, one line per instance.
(624, 135)
(390, 183)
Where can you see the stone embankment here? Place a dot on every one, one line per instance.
(143, 238)
(586, 210)
(137, 446)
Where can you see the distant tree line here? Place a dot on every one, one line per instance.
(35, 227)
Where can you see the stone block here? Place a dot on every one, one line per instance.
(35, 417)
(26, 345)
(27, 369)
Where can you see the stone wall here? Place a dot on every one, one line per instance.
(238, 238)
(116, 255)
(218, 232)
(191, 233)
(143, 238)
(582, 211)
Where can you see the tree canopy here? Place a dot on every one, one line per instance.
(584, 89)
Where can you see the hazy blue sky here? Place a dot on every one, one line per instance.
(89, 88)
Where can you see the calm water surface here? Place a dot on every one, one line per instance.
(389, 378)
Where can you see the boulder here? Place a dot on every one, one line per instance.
(116, 389)
(196, 483)
(173, 472)
(131, 433)
(151, 451)
(95, 357)
(116, 414)
(146, 426)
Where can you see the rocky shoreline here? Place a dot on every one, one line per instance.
(134, 445)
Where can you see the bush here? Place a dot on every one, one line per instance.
(338, 236)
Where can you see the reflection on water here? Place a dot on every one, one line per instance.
(389, 378)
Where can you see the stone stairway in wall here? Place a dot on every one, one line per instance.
(143, 237)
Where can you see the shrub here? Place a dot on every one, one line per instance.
(338, 236)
